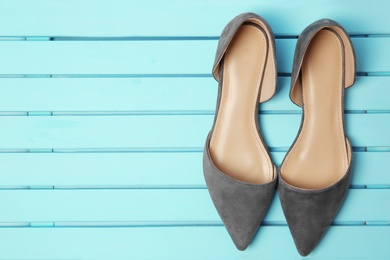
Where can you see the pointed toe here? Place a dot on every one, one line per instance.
(305, 250)
(307, 230)
(315, 173)
(241, 206)
(309, 213)
(241, 239)
(242, 225)
(238, 169)
(306, 241)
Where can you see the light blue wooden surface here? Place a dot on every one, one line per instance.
(164, 131)
(194, 242)
(157, 206)
(180, 57)
(104, 108)
(125, 168)
(164, 95)
(181, 18)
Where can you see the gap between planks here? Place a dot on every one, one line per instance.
(121, 224)
(152, 38)
(146, 187)
(161, 150)
(162, 113)
(167, 75)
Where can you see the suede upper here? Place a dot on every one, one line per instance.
(241, 205)
(309, 213)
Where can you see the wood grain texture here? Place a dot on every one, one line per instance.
(151, 169)
(104, 109)
(174, 131)
(178, 18)
(192, 242)
(153, 57)
(159, 95)
(157, 206)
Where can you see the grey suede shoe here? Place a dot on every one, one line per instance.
(238, 170)
(315, 174)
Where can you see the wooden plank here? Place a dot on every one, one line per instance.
(174, 18)
(186, 242)
(137, 170)
(374, 167)
(158, 95)
(161, 132)
(106, 57)
(153, 57)
(172, 205)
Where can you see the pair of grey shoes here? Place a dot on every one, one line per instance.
(315, 174)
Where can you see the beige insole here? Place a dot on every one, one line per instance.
(236, 147)
(321, 154)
